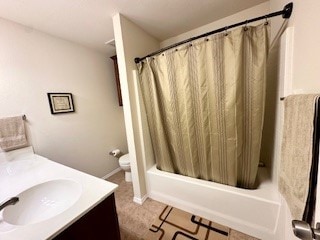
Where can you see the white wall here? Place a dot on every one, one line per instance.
(305, 19)
(255, 11)
(33, 63)
(131, 42)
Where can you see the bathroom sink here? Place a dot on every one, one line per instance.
(42, 202)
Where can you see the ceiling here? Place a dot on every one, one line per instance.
(89, 22)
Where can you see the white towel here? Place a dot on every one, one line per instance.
(12, 133)
(297, 151)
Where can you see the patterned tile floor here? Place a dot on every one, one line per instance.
(135, 220)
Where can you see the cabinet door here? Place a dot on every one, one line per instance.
(100, 223)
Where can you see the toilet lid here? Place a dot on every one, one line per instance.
(124, 160)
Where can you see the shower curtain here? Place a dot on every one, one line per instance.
(205, 106)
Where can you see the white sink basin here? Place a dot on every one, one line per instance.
(42, 202)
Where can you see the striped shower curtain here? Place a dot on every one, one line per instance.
(205, 106)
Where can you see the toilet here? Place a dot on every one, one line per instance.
(124, 162)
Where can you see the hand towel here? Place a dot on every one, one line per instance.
(297, 158)
(12, 133)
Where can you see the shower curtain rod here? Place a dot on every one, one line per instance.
(286, 13)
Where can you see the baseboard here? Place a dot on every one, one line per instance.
(112, 173)
(140, 200)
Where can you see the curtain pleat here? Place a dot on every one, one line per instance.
(205, 106)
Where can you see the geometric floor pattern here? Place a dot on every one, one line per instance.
(175, 224)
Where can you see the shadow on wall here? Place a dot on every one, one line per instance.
(268, 146)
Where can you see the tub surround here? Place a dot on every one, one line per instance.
(22, 169)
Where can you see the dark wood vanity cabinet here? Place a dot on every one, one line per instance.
(100, 223)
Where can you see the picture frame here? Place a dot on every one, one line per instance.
(60, 103)
(117, 79)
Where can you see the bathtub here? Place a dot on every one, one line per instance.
(254, 212)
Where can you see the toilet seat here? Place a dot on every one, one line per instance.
(124, 160)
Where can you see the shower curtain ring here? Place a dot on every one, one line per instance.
(266, 20)
(226, 31)
(246, 26)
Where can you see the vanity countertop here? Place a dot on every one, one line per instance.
(22, 169)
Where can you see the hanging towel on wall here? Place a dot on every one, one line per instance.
(12, 133)
(299, 154)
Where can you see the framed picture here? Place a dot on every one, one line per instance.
(60, 102)
(116, 72)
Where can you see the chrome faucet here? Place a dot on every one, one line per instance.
(10, 201)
